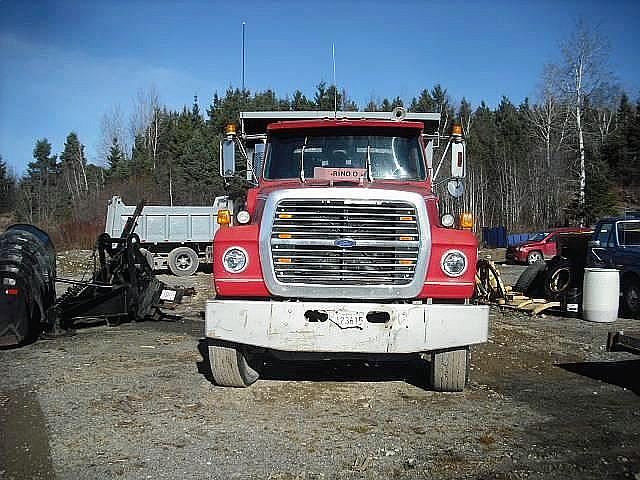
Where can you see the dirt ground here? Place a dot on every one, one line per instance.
(134, 401)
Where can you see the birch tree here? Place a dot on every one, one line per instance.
(581, 72)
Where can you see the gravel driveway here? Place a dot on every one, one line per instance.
(134, 401)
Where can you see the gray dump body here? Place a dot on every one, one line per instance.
(171, 233)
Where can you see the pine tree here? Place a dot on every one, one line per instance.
(7, 188)
(117, 161)
(74, 168)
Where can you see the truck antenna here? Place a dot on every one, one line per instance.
(335, 85)
(243, 29)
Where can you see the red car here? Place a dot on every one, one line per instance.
(542, 246)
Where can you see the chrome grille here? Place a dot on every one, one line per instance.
(384, 234)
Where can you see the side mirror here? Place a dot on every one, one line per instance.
(594, 243)
(458, 161)
(258, 158)
(227, 158)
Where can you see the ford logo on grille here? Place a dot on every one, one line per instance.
(345, 243)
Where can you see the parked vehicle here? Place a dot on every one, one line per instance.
(341, 251)
(540, 247)
(616, 244)
(179, 238)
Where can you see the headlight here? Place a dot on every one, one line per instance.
(243, 217)
(235, 259)
(447, 220)
(454, 263)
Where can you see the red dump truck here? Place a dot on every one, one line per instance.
(341, 250)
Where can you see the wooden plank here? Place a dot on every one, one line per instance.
(541, 308)
(525, 303)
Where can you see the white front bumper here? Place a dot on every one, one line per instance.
(283, 326)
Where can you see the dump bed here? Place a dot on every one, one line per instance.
(159, 224)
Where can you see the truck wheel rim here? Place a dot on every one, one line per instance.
(183, 262)
(560, 280)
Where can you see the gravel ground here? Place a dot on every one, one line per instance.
(134, 401)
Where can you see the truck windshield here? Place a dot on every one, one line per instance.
(385, 156)
(629, 233)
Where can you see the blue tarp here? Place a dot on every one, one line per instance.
(517, 238)
(496, 237)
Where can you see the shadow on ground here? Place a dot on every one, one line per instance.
(624, 374)
(414, 372)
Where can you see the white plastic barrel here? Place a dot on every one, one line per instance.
(600, 294)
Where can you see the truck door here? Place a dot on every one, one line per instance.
(628, 243)
(601, 254)
(549, 247)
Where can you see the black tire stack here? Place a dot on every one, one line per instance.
(27, 283)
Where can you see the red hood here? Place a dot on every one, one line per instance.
(256, 196)
(422, 188)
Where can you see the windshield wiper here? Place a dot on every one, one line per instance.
(368, 165)
(302, 179)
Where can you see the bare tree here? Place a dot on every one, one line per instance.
(581, 72)
(145, 121)
(112, 126)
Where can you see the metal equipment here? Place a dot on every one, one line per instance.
(123, 284)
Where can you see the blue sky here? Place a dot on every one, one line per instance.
(64, 64)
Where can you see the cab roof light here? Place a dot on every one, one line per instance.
(230, 129)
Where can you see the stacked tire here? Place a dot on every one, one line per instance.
(552, 280)
(27, 283)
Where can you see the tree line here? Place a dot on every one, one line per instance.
(568, 158)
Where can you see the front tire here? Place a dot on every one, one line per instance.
(534, 257)
(450, 370)
(230, 368)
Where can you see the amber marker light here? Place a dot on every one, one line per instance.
(230, 129)
(285, 215)
(224, 217)
(466, 220)
(284, 235)
(406, 219)
(406, 262)
(406, 238)
(284, 260)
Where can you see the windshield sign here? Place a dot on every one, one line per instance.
(345, 157)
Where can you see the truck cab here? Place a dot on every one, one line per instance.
(616, 244)
(341, 250)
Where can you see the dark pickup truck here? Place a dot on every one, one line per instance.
(616, 244)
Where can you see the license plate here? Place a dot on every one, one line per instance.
(168, 295)
(348, 319)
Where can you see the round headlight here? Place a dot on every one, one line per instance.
(243, 217)
(235, 259)
(447, 220)
(454, 263)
